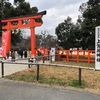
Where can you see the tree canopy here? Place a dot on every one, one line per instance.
(81, 34)
(91, 19)
(68, 34)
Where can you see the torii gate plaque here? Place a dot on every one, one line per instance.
(28, 21)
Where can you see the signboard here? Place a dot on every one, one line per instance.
(52, 53)
(5, 42)
(97, 48)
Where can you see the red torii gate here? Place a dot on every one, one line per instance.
(28, 21)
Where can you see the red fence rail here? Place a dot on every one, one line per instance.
(76, 55)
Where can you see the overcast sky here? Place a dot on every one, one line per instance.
(57, 12)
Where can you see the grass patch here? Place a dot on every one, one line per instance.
(52, 81)
(75, 83)
(26, 75)
(83, 64)
(25, 78)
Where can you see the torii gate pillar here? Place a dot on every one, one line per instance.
(33, 41)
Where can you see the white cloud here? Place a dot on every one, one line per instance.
(57, 12)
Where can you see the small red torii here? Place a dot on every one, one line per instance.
(28, 21)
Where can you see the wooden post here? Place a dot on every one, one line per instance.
(28, 62)
(80, 81)
(37, 72)
(2, 69)
(51, 59)
(43, 59)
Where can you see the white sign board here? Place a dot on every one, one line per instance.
(52, 53)
(97, 48)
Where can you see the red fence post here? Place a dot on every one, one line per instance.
(67, 55)
(77, 55)
(88, 56)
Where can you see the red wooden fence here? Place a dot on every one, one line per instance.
(77, 55)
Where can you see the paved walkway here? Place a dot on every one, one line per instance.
(12, 90)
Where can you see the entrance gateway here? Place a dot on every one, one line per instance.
(27, 21)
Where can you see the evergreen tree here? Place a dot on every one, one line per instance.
(81, 34)
(68, 34)
(91, 19)
(64, 33)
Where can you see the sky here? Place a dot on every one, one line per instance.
(57, 12)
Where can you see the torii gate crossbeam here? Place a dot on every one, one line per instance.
(28, 21)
